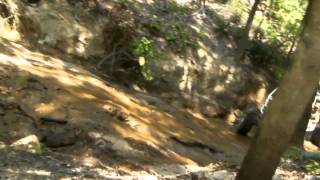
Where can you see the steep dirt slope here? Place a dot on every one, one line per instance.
(192, 52)
(77, 113)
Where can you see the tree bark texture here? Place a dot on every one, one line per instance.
(287, 108)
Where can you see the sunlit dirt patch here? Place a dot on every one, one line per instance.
(115, 127)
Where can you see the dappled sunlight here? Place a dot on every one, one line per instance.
(77, 94)
(134, 89)
(133, 128)
(39, 172)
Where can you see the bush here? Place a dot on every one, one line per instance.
(313, 167)
(143, 49)
(268, 56)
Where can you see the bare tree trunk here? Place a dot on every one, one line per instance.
(283, 117)
(298, 137)
(244, 41)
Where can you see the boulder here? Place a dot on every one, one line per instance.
(73, 29)
(29, 143)
(60, 139)
(221, 175)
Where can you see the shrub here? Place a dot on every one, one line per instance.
(145, 48)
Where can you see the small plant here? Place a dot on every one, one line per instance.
(223, 26)
(125, 3)
(269, 56)
(293, 153)
(42, 148)
(239, 7)
(144, 50)
(156, 25)
(178, 9)
(235, 19)
(170, 37)
(178, 36)
(313, 167)
(202, 34)
(146, 72)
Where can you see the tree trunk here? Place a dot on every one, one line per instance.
(244, 41)
(298, 137)
(282, 118)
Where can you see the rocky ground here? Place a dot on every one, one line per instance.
(60, 122)
(63, 117)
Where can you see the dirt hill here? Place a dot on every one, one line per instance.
(68, 109)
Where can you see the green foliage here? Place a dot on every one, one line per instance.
(170, 37)
(146, 72)
(201, 34)
(223, 25)
(235, 19)
(276, 26)
(227, 26)
(237, 33)
(240, 7)
(297, 154)
(178, 36)
(265, 54)
(125, 3)
(268, 56)
(156, 25)
(175, 8)
(283, 21)
(145, 48)
(41, 149)
(293, 153)
(313, 167)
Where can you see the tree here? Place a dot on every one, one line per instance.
(244, 41)
(298, 137)
(286, 110)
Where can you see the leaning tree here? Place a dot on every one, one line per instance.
(283, 117)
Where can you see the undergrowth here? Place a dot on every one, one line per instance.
(144, 51)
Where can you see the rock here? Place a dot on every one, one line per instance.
(60, 139)
(53, 120)
(212, 111)
(112, 110)
(197, 176)
(30, 143)
(232, 118)
(2, 145)
(209, 111)
(221, 175)
(48, 19)
(311, 177)
(123, 117)
(223, 68)
(277, 177)
(226, 98)
(147, 177)
(192, 103)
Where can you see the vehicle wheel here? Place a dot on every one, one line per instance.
(315, 137)
(248, 121)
